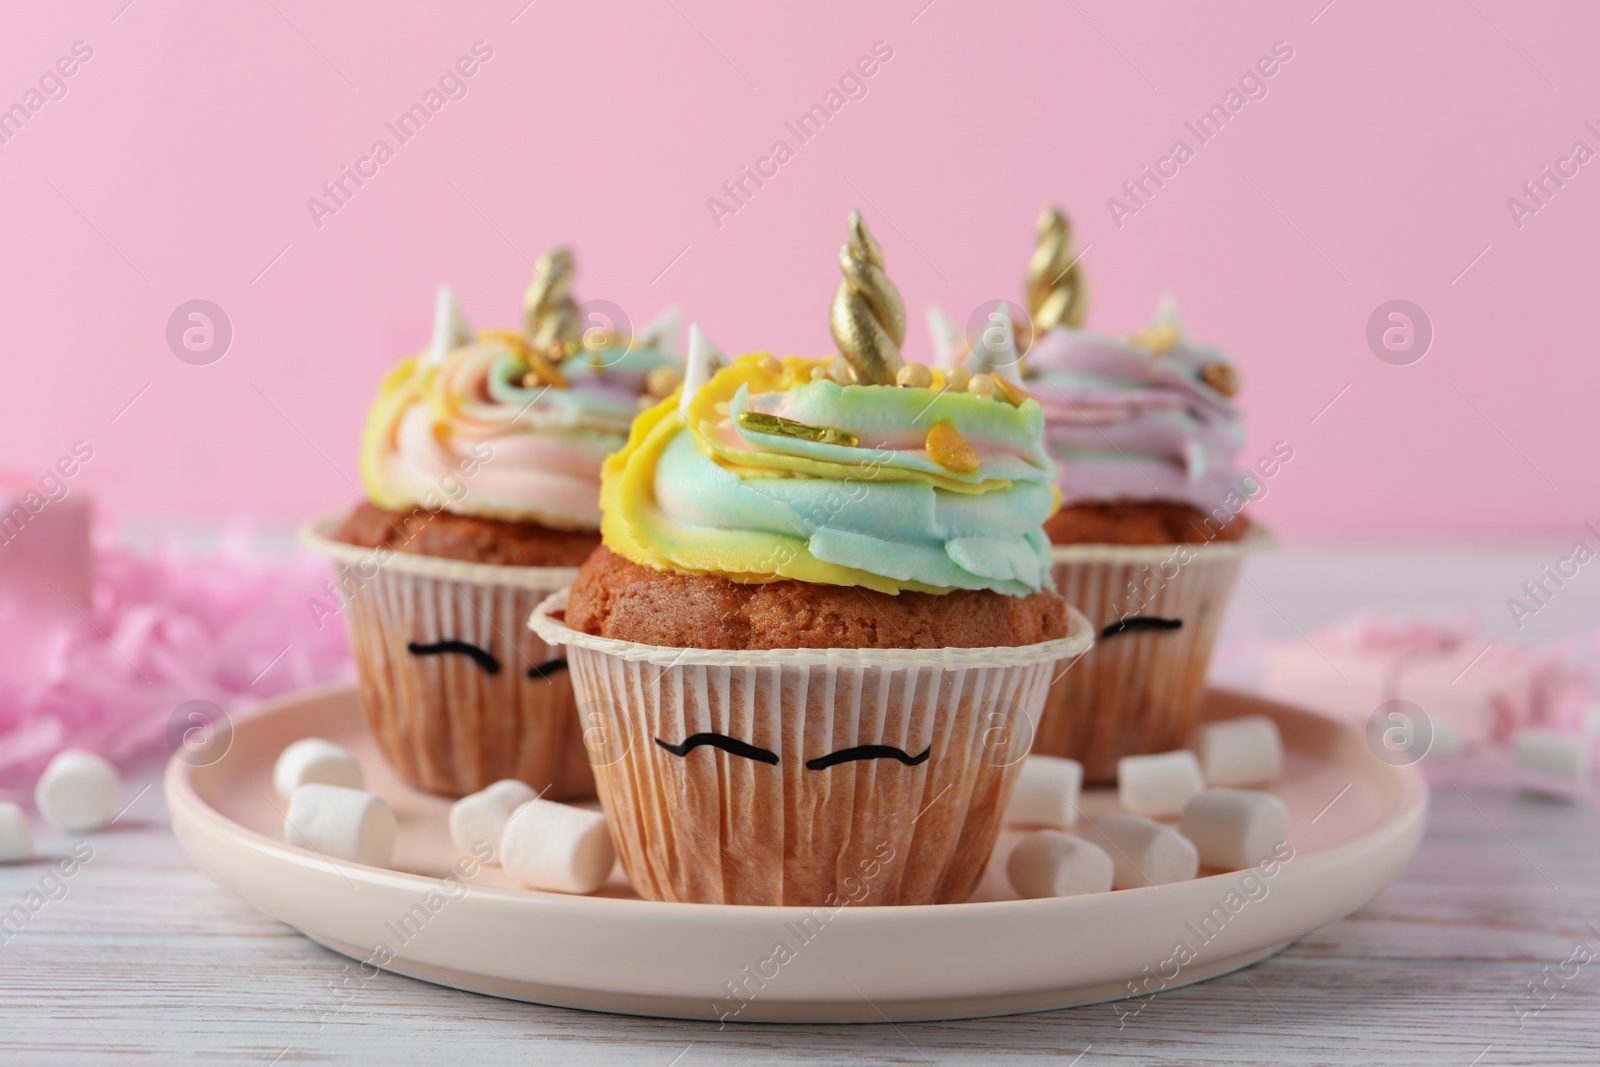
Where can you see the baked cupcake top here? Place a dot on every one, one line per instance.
(1147, 418)
(859, 470)
(513, 425)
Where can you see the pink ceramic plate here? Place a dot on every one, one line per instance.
(1354, 822)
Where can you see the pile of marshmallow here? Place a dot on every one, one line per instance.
(77, 793)
(538, 843)
(544, 845)
(1220, 825)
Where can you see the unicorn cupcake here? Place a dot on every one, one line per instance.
(1151, 531)
(481, 461)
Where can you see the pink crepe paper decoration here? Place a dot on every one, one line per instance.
(166, 627)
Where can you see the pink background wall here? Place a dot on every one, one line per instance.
(1378, 166)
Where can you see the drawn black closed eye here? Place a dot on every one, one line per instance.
(1140, 622)
(548, 668)
(860, 752)
(731, 745)
(482, 658)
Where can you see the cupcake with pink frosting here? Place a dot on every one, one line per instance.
(1151, 530)
(481, 462)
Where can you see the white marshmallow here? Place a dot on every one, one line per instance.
(312, 760)
(1049, 863)
(480, 819)
(341, 823)
(1046, 793)
(16, 842)
(78, 791)
(1158, 785)
(1591, 720)
(1234, 828)
(1242, 751)
(451, 329)
(1144, 852)
(1558, 764)
(556, 846)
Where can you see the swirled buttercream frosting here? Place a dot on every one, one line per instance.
(533, 445)
(787, 470)
(1148, 418)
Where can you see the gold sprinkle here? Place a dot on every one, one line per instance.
(1159, 338)
(947, 449)
(541, 371)
(771, 365)
(819, 372)
(1221, 377)
(958, 379)
(1010, 392)
(645, 403)
(778, 426)
(840, 371)
(914, 376)
(982, 385)
(663, 381)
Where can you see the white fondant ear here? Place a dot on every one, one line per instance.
(994, 351)
(661, 334)
(948, 341)
(1167, 314)
(450, 326)
(1194, 461)
(704, 361)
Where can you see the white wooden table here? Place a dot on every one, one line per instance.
(141, 959)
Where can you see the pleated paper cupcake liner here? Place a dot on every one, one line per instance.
(812, 777)
(1156, 612)
(457, 691)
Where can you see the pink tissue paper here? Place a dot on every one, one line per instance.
(158, 629)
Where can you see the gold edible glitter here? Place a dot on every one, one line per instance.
(1221, 377)
(778, 426)
(1009, 392)
(947, 449)
(541, 371)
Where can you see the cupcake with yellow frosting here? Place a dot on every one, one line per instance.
(820, 626)
(481, 461)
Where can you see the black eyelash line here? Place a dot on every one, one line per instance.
(483, 659)
(1140, 622)
(722, 741)
(547, 668)
(860, 752)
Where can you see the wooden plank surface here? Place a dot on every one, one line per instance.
(141, 959)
